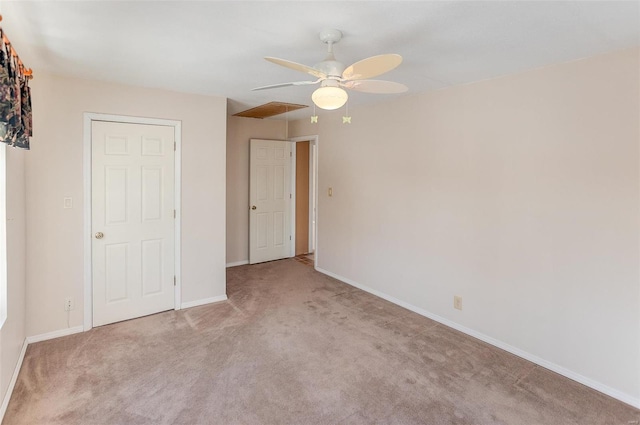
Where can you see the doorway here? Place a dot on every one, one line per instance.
(304, 207)
(302, 243)
(132, 217)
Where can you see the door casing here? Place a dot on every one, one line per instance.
(88, 265)
(313, 195)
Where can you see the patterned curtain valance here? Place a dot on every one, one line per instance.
(15, 97)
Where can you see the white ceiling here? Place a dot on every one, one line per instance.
(216, 47)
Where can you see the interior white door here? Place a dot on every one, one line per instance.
(269, 200)
(133, 257)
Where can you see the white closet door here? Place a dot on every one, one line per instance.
(132, 220)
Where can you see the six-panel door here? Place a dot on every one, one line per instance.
(270, 200)
(132, 220)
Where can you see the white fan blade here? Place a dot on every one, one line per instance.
(297, 67)
(375, 86)
(372, 67)
(296, 83)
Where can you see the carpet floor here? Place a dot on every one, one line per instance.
(293, 346)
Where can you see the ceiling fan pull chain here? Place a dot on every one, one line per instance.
(346, 119)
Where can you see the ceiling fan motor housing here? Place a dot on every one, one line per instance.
(332, 68)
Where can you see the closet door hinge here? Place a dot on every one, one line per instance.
(175, 144)
(174, 281)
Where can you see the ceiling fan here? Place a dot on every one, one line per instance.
(334, 77)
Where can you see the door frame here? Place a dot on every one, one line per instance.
(313, 195)
(89, 117)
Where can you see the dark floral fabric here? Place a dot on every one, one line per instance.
(6, 105)
(16, 123)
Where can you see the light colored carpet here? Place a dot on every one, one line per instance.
(292, 346)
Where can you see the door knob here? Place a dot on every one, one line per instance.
(253, 207)
(99, 235)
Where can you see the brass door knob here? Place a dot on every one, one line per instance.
(253, 207)
(99, 235)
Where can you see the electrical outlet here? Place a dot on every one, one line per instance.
(68, 304)
(457, 302)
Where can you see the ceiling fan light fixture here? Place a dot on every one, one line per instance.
(329, 98)
(333, 76)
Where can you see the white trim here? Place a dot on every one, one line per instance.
(12, 383)
(204, 301)
(177, 184)
(316, 182)
(86, 174)
(612, 392)
(312, 197)
(55, 334)
(30, 340)
(292, 205)
(177, 125)
(237, 263)
(4, 282)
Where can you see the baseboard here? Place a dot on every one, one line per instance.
(204, 301)
(12, 383)
(55, 334)
(237, 263)
(30, 340)
(605, 389)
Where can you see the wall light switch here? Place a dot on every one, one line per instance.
(68, 202)
(330, 191)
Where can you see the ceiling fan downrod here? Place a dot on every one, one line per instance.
(332, 68)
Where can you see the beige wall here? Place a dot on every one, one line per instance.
(12, 334)
(519, 194)
(239, 131)
(54, 170)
